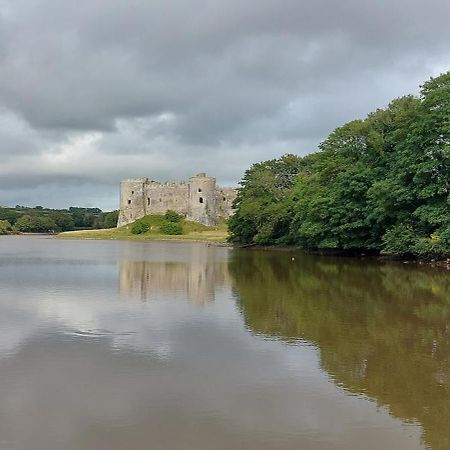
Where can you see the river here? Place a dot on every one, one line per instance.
(108, 345)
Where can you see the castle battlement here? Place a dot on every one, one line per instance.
(199, 200)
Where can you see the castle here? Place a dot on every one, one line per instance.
(199, 200)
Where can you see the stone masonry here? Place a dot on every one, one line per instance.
(199, 200)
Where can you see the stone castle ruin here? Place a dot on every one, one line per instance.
(199, 200)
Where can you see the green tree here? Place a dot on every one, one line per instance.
(5, 227)
(378, 184)
(25, 223)
(330, 207)
(9, 214)
(63, 221)
(35, 224)
(110, 219)
(262, 204)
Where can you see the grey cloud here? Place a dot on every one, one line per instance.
(62, 195)
(192, 83)
(82, 66)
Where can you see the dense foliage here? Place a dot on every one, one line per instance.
(43, 220)
(379, 184)
(171, 223)
(173, 216)
(139, 227)
(264, 210)
(171, 228)
(5, 227)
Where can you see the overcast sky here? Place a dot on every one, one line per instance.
(94, 91)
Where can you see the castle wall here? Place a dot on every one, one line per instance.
(161, 197)
(225, 199)
(201, 200)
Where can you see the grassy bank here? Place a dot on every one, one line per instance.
(192, 231)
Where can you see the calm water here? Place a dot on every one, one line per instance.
(110, 345)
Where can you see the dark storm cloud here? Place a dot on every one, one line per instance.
(188, 83)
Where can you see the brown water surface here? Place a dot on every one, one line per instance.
(108, 345)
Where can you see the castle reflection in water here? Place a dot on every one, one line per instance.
(196, 276)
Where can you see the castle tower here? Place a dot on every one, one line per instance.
(203, 200)
(132, 200)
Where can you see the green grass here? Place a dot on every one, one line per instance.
(192, 231)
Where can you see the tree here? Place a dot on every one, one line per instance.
(63, 221)
(35, 224)
(5, 227)
(379, 184)
(9, 214)
(110, 219)
(262, 203)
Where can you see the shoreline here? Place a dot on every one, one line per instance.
(221, 241)
(352, 254)
(209, 237)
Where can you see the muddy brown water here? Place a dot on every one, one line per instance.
(109, 345)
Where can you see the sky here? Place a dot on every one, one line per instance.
(95, 91)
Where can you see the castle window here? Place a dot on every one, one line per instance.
(129, 202)
(148, 201)
(160, 199)
(132, 192)
(200, 200)
(224, 199)
(199, 189)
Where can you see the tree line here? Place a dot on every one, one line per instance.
(43, 220)
(381, 184)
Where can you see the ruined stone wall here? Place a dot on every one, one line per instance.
(225, 199)
(201, 200)
(161, 197)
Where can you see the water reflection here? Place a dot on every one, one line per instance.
(382, 329)
(195, 277)
(196, 280)
(96, 354)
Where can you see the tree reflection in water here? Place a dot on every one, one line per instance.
(382, 330)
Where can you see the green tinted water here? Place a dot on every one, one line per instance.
(128, 345)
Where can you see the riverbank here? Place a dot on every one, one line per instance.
(220, 236)
(217, 235)
(152, 227)
(354, 254)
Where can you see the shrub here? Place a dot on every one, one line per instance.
(172, 216)
(172, 228)
(400, 240)
(435, 246)
(5, 227)
(139, 228)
